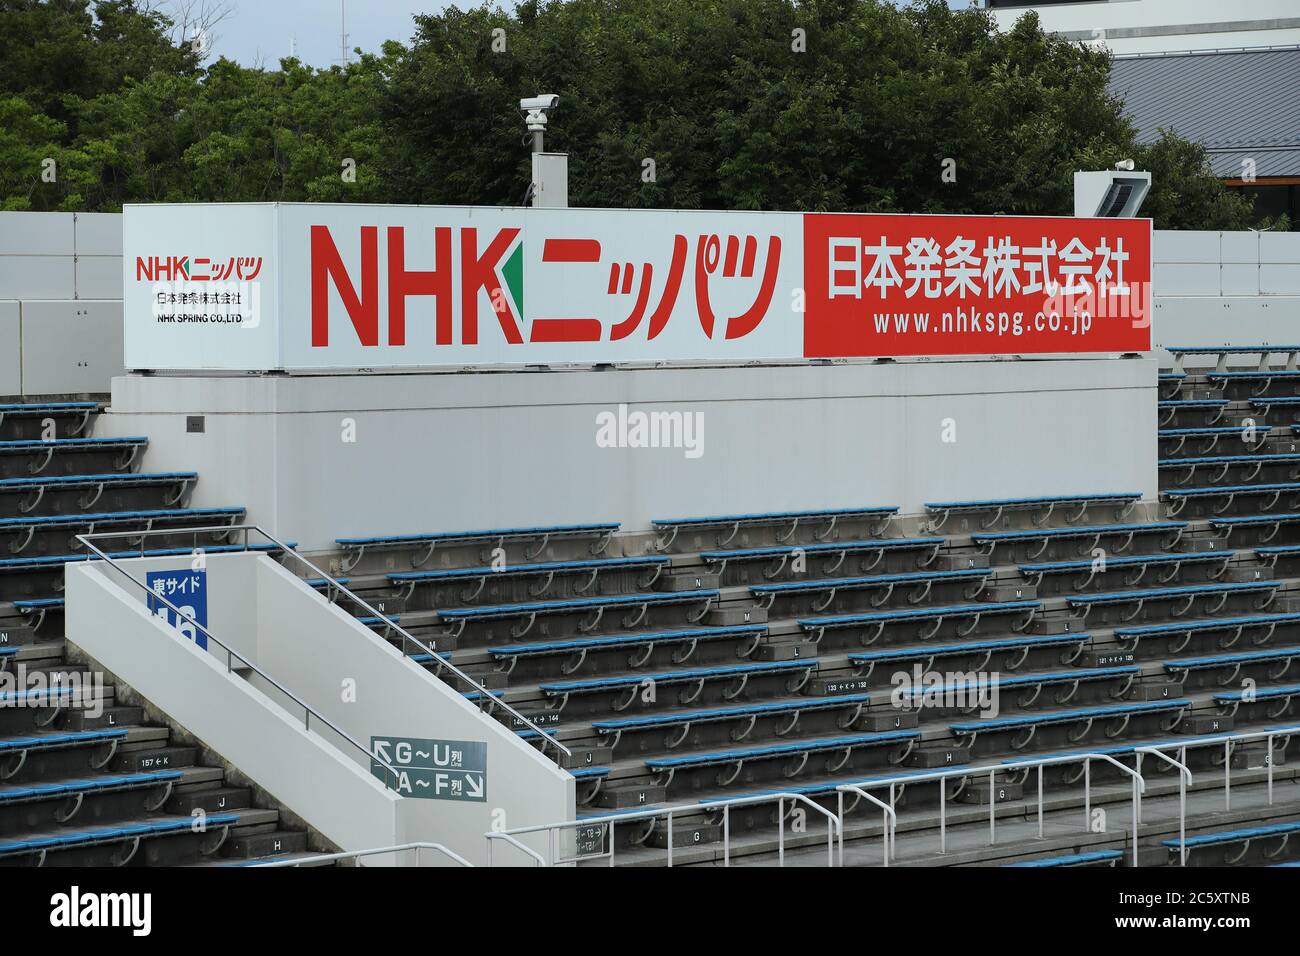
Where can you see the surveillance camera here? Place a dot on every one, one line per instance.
(1125, 164)
(544, 102)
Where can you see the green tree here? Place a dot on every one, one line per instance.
(879, 103)
(856, 105)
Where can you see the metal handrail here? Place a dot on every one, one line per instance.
(725, 804)
(308, 711)
(539, 860)
(1227, 740)
(890, 830)
(1185, 780)
(358, 854)
(1139, 788)
(439, 662)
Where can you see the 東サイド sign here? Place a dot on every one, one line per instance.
(431, 769)
(302, 287)
(187, 589)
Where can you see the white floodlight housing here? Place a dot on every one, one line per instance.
(1111, 193)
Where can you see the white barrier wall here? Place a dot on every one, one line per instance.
(266, 742)
(60, 302)
(316, 458)
(345, 672)
(1225, 288)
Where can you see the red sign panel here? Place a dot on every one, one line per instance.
(974, 285)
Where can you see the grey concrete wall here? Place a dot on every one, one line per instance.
(462, 451)
(1225, 288)
(60, 302)
(364, 686)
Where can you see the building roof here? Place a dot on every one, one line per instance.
(1240, 103)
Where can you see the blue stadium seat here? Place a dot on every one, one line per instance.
(697, 676)
(80, 412)
(671, 527)
(37, 487)
(1188, 593)
(1129, 637)
(131, 447)
(645, 640)
(1171, 530)
(1179, 668)
(1273, 491)
(1037, 680)
(1265, 404)
(55, 561)
(479, 576)
(1174, 440)
(738, 757)
(596, 607)
(1168, 383)
(60, 740)
(866, 661)
(1174, 561)
(1272, 522)
(39, 609)
(1087, 716)
(1170, 408)
(767, 594)
(1044, 505)
(816, 627)
(1271, 555)
(356, 548)
(1223, 351)
(681, 721)
(80, 838)
(46, 409)
(1245, 836)
(1255, 464)
(26, 529)
(718, 560)
(1264, 378)
(1093, 858)
(77, 788)
(1279, 697)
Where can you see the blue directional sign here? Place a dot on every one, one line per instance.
(431, 769)
(188, 590)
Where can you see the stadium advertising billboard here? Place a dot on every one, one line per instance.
(304, 287)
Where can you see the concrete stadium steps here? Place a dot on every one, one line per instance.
(777, 708)
(87, 779)
(918, 841)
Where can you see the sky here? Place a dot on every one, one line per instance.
(260, 32)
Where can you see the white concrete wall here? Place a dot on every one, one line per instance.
(1164, 26)
(1225, 288)
(344, 671)
(60, 302)
(323, 651)
(463, 451)
(298, 767)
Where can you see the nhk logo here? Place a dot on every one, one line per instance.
(724, 288)
(486, 262)
(197, 269)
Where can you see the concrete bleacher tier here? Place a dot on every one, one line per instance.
(715, 657)
(739, 655)
(87, 776)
